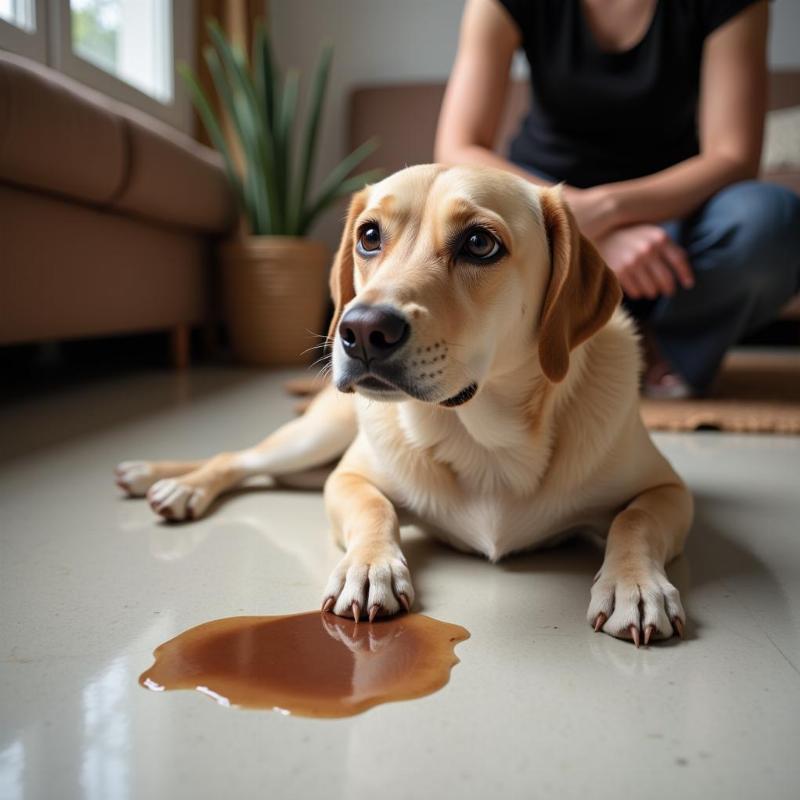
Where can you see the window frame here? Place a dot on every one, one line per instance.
(30, 44)
(51, 44)
(177, 112)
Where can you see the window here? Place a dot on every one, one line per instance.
(127, 49)
(21, 13)
(21, 28)
(130, 39)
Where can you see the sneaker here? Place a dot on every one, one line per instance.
(661, 383)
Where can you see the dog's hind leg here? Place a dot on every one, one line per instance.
(136, 477)
(317, 438)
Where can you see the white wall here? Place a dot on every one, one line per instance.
(784, 39)
(380, 41)
(376, 41)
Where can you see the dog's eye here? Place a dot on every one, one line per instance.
(369, 240)
(480, 245)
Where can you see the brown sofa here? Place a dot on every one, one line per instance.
(106, 216)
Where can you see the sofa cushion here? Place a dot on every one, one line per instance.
(56, 138)
(782, 140)
(56, 135)
(88, 272)
(172, 178)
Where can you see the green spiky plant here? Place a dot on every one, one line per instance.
(274, 189)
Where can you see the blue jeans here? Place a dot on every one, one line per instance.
(744, 249)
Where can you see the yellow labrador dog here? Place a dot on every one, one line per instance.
(485, 380)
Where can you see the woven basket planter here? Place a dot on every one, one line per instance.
(275, 293)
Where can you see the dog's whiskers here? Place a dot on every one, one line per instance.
(327, 341)
(318, 335)
(325, 370)
(320, 346)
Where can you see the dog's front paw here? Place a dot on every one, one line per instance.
(177, 500)
(134, 477)
(632, 603)
(371, 579)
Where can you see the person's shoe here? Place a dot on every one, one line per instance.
(660, 383)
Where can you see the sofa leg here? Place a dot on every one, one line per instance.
(180, 349)
(210, 345)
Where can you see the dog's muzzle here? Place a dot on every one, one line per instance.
(373, 333)
(370, 335)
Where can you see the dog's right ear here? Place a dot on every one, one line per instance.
(341, 279)
(582, 292)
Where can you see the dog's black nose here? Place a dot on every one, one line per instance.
(372, 332)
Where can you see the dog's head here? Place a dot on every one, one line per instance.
(446, 276)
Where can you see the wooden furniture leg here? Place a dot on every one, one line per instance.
(180, 346)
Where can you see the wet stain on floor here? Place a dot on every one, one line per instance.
(310, 665)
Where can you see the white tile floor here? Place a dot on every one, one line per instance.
(540, 706)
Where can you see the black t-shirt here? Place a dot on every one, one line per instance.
(598, 117)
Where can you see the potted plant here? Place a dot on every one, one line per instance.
(273, 276)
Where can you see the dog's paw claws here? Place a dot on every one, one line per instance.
(599, 622)
(177, 501)
(637, 606)
(134, 477)
(648, 632)
(380, 583)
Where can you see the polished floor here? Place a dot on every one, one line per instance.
(540, 706)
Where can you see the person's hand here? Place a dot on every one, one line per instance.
(595, 210)
(646, 261)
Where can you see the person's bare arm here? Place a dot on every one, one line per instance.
(731, 115)
(731, 121)
(477, 89)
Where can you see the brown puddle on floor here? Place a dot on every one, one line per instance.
(311, 665)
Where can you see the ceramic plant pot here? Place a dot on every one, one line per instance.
(276, 293)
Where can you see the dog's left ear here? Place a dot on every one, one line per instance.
(582, 293)
(341, 278)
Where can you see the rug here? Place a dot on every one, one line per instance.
(756, 392)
